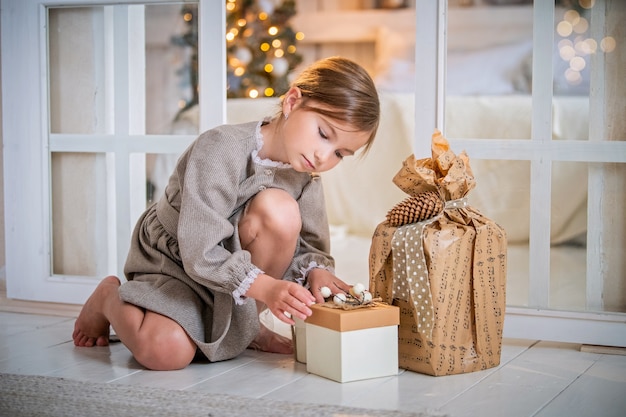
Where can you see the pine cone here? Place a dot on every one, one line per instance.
(415, 209)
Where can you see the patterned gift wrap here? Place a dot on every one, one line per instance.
(446, 273)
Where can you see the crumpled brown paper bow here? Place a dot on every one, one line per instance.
(446, 173)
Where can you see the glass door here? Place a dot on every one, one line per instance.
(79, 110)
(564, 203)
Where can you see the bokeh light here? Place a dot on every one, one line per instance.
(576, 46)
(608, 44)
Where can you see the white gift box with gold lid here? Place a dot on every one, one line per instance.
(350, 345)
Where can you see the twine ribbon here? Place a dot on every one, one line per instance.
(410, 272)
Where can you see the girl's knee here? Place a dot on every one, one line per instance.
(166, 351)
(279, 211)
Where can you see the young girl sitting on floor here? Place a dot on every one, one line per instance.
(242, 220)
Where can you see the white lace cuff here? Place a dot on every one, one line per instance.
(239, 293)
(305, 271)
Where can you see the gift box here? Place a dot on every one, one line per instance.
(444, 266)
(354, 344)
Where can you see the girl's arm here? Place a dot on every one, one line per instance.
(312, 263)
(209, 175)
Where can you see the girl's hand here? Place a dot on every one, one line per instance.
(284, 298)
(319, 278)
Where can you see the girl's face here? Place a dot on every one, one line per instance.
(312, 142)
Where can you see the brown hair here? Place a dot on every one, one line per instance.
(345, 91)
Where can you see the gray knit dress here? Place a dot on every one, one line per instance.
(185, 259)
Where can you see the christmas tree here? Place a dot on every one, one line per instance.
(261, 47)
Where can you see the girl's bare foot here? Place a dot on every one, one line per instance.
(92, 327)
(268, 341)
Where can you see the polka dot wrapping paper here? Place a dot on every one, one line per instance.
(447, 274)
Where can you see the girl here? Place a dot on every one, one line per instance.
(242, 220)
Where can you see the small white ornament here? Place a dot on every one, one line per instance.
(281, 66)
(266, 6)
(366, 297)
(339, 298)
(325, 291)
(357, 289)
(243, 55)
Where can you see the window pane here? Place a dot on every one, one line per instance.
(568, 276)
(76, 72)
(572, 50)
(79, 214)
(488, 72)
(171, 67)
(568, 252)
(517, 274)
(159, 168)
(502, 194)
(588, 270)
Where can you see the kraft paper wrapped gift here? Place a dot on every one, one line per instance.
(447, 274)
(349, 345)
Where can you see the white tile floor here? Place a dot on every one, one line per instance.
(535, 378)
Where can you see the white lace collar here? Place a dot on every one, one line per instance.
(259, 144)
